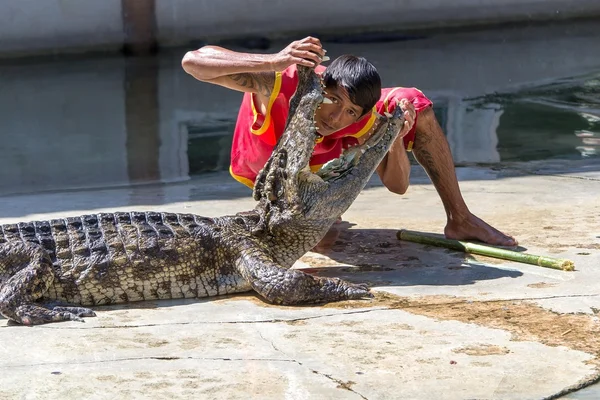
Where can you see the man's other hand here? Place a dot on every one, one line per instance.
(409, 116)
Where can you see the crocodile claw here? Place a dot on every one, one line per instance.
(356, 291)
(76, 311)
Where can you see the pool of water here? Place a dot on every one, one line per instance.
(559, 119)
(76, 122)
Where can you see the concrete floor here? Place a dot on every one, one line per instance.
(443, 325)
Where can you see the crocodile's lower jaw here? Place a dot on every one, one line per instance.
(345, 162)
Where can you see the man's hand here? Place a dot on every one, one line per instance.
(308, 52)
(409, 116)
(394, 169)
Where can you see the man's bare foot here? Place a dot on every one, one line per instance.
(473, 228)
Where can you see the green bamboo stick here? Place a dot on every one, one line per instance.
(467, 247)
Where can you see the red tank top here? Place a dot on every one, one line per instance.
(255, 134)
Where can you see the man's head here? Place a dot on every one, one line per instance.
(354, 86)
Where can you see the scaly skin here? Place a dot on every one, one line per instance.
(124, 257)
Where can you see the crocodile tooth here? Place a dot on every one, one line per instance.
(325, 58)
(327, 100)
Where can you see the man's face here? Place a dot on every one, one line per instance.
(333, 117)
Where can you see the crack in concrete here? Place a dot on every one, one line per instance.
(157, 358)
(291, 320)
(466, 299)
(271, 343)
(274, 320)
(340, 384)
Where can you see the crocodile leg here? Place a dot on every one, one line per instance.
(279, 285)
(31, 274)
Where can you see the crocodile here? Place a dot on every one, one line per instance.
(54, 270)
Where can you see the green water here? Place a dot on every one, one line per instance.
(556, 120)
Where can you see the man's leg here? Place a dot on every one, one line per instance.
(433, 153)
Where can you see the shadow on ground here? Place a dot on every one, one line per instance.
(376, 257)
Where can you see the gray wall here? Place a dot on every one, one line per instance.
(62, 125)
(181, 20)
(33, 26)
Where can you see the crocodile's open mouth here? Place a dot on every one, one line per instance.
(340, 166)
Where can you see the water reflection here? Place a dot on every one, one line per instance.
(556, 120)
(104, 121)
(209, 144)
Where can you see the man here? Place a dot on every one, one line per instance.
(353, 90)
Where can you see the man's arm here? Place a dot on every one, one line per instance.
(394, 169)
(248, 72)
(238, 71)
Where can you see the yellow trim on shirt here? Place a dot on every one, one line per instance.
(368, 125)
(315, 168)
(241, 179)
(267, 121)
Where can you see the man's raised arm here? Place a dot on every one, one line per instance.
(247, 72)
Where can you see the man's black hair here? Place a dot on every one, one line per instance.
(358, 77)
